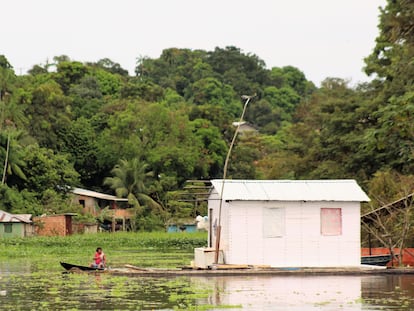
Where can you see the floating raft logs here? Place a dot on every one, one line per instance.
(235, 270)
(239, 270)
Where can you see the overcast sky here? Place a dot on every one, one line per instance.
(322, 38)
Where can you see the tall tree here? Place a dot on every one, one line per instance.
(11, 119)
(244, 72)
(7, 78)
(86, 97)
(79, 140)
(48, 170)
(327, 133)
(69, 73)
(110, 66)
(391, 63)
(12, 154)
(49, 111)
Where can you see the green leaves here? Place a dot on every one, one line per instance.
(47, 170)
(392, 61)
(130, 178)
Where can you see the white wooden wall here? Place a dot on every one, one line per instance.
(301, 245)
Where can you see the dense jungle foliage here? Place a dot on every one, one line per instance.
(92, 125)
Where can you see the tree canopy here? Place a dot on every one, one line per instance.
(95, 126)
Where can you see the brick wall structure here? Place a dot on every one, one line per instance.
(54, 225)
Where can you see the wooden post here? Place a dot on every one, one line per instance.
(369, 243)
(218, 233)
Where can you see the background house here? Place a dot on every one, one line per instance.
(15, 225)
(94, 203)
(286, 223)
(54, 225)
(181, 225)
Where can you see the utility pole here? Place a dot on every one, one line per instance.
(218, 229)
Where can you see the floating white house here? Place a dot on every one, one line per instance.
(286, 223)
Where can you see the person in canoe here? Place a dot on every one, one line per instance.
(99, 260)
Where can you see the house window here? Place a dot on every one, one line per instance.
(273, 222)
(8, 228)
(331, 221)
(82, 202)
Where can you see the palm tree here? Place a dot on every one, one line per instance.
(129, 181)
(12, 154)
(12, 114)
(11, 150)
(11, 117)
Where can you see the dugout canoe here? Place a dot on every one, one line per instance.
(376, 260)
(69, 266)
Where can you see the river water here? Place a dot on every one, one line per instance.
(26, 287)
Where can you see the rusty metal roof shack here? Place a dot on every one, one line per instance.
(289, 190)
(15, 225)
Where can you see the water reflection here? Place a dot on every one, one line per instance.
(15, 267)
(25, 287)
(393, 291)
(286, 293)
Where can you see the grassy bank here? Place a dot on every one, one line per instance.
(145, 249)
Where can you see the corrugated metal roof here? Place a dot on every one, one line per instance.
(290, 190)
(97, 195)
(7, 217)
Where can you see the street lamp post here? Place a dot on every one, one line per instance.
(247, 99)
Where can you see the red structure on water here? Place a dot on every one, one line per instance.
(407, 255)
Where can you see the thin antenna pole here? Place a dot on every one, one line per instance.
(218, 232)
